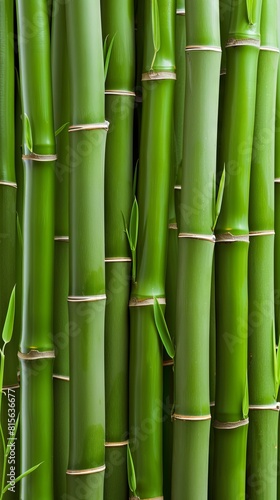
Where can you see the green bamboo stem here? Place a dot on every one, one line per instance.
(8, 194)
(277, 194)
(36, 346)
(60, 80)
(118, 25)
(86, 464)
(263, 427)
(231, 410)
(152, 196)
(196, 219)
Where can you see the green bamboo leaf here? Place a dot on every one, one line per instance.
(250, 10)
(156, 30)
(276, 363)
(245, 402)
(135, 177)
(105, 46)
(9, 321)
(28, 133)
(163, 329)
(24, 474)
(57, 132)
(19, 232)
(134, 224)
(131, 472)
(107, 56)
(219, 197)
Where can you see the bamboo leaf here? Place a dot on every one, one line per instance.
(107, 56)
(276, 362)
(163, 329)
(250, 10)
(245, 402)
(135, 177)
(105, 46)
(156, 30)
(9, 321)
(24, 474)
(131, 472)
(28, 133)
(19, 232)
(57, 132)
(134, 224)
(219, 197)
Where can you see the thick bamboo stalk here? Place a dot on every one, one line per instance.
(263, 428)
(231, 410)
(152, 195)
(196, 246)
(86, 465)
(118, 25)
(36, 346)
(60, 80)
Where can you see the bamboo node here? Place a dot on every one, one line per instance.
(205, 237)
(89, 126)
(9, 387)
(61, 377)
(230, 425)
(269, 49)
(274, 407)
(118, 259)
(61, 238)
(173, 225)
(238, 42)
(138, 498)
(120, 92)
(116, 444)
(208, 48)
(85, 298)
(7, 183)
(181, 12)
(194, 418)
(168, 362)
(277, 180)
(177, 187)
(134, 302)
(262, 233)
(160, 75)
(34, 354)
(84, 472)
(35, 157)
(231, 238)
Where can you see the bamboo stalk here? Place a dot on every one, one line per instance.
(60, 80)
(36, 346)
(8, 240)
(231, 411)
(152, 195)
(263, 428)
(86, 465)
(196, 219)
(118, 25)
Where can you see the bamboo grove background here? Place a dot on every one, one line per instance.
(140, 222)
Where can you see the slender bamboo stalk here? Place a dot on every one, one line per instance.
(277, 194)
(231, 410)
(192, 404)
(36, 346)
(60, 80)
(7, 220)
(263, 428)
(152, 194)
(86, 465)
(118, 25)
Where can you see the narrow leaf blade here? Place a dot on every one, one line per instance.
(134, 224)
(60, 129)
(163, 329)
(108, 56)
(245, 402)
(9, 321)
(220, 197)
(24, 474)
(131, 472)
(28, 133)
(156, 29)
(250, 10)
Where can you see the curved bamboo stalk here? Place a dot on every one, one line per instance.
(60, 81)
(86, 465)
(152, 196)
(118, 26)
(36, 346)
(231, 410)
